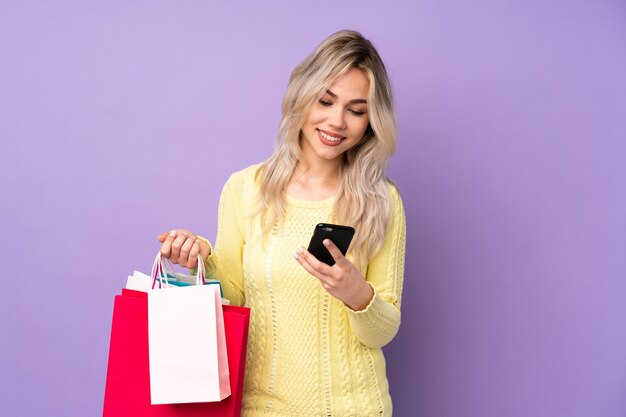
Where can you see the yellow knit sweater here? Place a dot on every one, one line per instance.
(308, 353)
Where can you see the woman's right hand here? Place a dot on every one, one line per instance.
(182, 247)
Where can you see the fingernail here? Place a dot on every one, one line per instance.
(301, 250)
(295, 255)
(173, 233)
(326, 242)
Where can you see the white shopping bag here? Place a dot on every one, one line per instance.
(139, 282)
(187, 346)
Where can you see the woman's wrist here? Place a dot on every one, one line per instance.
(363, 299)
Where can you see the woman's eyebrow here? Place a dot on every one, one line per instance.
(355, 101)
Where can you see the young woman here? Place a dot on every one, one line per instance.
(316, 331)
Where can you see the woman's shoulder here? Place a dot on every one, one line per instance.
(396, 209)
(243, 177)
(393, 192)
(248, 172)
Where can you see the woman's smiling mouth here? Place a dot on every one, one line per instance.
(328, 138)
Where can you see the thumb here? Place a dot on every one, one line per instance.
(333, 249)
(205, 249)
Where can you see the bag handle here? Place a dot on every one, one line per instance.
(159, 271)
(201, 273)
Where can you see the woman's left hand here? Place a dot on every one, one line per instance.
(342, 280)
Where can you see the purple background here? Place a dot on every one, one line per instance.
(120, 120)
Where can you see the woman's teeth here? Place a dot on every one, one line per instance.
(329, 138)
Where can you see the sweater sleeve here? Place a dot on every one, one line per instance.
(378, 323)
(225, 261)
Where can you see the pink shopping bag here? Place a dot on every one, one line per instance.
(127, 391)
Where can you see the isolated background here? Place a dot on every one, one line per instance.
(120, 120)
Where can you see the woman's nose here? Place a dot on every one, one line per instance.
(337, 118)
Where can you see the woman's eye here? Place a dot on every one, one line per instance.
(325, 103)
(357, 113)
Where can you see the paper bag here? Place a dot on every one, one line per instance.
(187, 345)
(127, 392)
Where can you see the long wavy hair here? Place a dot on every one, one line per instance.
(362, 199)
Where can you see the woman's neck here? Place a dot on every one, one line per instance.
(317, 181)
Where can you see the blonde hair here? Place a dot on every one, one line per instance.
(362, 200)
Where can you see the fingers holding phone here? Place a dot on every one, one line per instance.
(325, 260)
(341, 236)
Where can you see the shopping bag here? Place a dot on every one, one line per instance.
(187, 345)
(141, 282)
(127, 391)
(184, 280)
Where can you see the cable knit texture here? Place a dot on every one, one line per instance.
(308, 353)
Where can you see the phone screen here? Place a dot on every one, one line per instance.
(340, 235)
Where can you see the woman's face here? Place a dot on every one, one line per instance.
(338, 120)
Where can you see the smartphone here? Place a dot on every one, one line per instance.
(341, 236)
